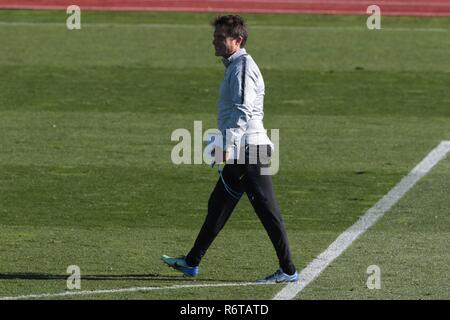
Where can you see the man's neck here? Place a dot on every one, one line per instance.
(226, 56)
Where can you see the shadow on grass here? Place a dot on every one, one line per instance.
(103, 277)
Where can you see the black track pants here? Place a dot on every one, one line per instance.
(236, 179)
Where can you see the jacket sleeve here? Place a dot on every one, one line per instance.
(243, 88)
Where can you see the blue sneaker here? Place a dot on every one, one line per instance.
(278, 277)
(180, 265)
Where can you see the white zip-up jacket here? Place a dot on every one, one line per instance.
(240, 104)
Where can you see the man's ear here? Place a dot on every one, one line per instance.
(239, 40)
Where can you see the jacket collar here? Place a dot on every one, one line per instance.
(234, 56)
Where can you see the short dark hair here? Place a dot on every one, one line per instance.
(233, 25)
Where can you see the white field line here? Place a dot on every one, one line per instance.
(319, 264)
(193, 26)
(128, 290)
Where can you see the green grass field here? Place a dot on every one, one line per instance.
(86, 177)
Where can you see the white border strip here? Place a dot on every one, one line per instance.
(372, 215)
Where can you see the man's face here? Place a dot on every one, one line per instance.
(223, 45)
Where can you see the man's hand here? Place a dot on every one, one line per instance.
(222, 156)
(226, 156)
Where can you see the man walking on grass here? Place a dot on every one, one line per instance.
(247, 150)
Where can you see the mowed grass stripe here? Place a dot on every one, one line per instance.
(318, 265)
(196, 26)
(338, 50)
